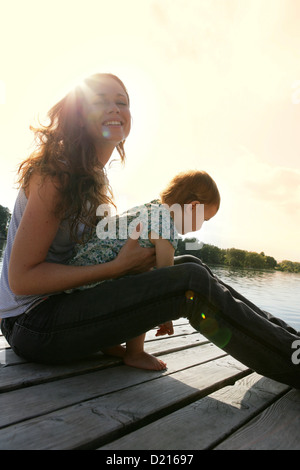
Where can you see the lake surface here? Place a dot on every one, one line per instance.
(274, 291)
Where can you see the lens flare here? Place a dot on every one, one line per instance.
(190, 295)
(212, 327)
(212, 330)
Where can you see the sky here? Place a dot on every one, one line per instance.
(214, 85)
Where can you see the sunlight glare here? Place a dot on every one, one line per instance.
(2, 92)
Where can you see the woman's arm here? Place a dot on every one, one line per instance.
(30, 274)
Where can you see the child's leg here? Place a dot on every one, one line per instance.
(135, 355)
(118, 351)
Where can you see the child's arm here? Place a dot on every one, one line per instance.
(164, 257)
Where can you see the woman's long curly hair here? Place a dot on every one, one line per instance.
(65, 152)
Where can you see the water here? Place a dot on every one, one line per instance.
(274, 291)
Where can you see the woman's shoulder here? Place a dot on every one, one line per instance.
(43, 189)
(42, 183)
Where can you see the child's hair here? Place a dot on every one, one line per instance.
(191, 186)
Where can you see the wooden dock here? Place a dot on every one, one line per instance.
(204, 400)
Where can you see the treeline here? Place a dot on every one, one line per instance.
(289, 266)
(5, 217)
(212, 255)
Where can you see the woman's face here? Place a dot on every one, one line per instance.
(106, 115)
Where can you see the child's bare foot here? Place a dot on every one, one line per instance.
(143, 360)
(118, 351)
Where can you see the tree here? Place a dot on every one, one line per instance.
(184, 246)
(270, 262)
(254, 260)
(5, 217)
(235, 257)
(289, 266)
(211, 254)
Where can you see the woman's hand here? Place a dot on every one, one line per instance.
(133, 258)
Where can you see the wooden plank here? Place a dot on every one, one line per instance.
(180, 329)
(205, 422)
(72, 390)
(91, 423)
(9, 358)
(174, 343)
(3, 343)
(26, 374)
(277, 428)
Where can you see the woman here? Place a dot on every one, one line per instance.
(62, 184)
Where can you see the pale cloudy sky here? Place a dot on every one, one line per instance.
(214, 85)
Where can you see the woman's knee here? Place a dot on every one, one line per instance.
(186, 259)
(191, 275)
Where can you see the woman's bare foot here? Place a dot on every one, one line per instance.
(143, 360)
(118, 351)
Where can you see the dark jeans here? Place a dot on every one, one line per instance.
(67, 327)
